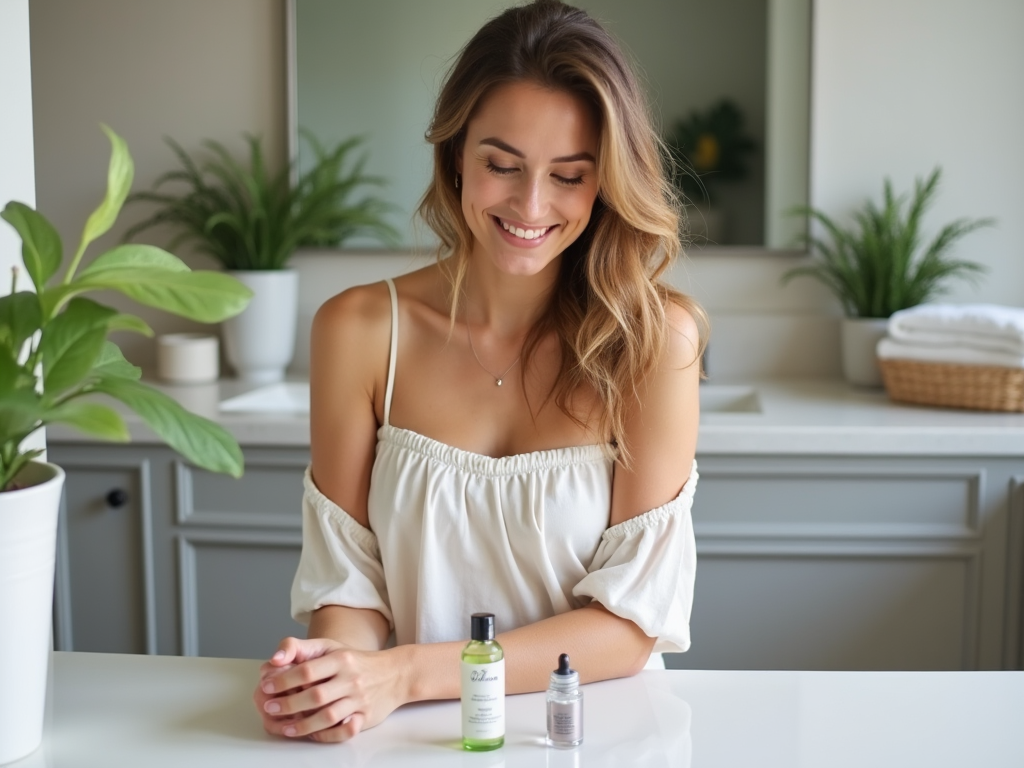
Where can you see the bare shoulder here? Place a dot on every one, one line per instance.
(683, 337)
(353, 313)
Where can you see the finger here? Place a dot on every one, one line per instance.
(344, 731)
(276, 725)
(307, 673)
(328, 717)
(308, 698)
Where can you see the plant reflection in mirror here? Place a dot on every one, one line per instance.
(248, 218)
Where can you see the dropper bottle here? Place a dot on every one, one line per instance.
(565, 706)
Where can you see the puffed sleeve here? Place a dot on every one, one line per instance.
(340, 562)
(644, 571)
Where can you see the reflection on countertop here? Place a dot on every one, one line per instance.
(790, 417)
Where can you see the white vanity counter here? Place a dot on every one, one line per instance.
(115, 710)
(792, 417)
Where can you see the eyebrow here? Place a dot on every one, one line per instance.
(504, 147)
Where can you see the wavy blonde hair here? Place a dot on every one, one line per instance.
(608, 305)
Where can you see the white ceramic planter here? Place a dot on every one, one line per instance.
(860, 337)
(28, 544)
(259, 343)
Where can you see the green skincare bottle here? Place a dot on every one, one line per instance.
(483, 687)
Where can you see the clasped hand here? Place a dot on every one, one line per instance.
(324, 690)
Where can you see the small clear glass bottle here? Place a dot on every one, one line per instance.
(483, 687)
(565, 707)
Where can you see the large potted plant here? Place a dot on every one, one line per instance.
(55, 359)
(252, 221)
(879, 266)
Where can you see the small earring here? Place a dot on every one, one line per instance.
(457, 176)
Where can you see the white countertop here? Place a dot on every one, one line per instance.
(115, 710)
(796, 417)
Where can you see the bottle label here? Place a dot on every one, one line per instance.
(483, 700)
(565, 721)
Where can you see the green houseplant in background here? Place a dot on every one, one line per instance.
(880, 265)
(251, 221)
(706, 149)
(55, 359)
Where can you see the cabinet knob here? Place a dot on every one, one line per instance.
(117, 498)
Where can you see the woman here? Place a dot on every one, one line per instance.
(513, 429)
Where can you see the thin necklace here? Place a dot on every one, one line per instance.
(497, 379)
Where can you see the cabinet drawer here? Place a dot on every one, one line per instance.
(822, 499)
(269, 494)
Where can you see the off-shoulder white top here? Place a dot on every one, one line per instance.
(524, 537)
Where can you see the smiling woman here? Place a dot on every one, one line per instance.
(557, 499)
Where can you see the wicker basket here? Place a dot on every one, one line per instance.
(978, 387)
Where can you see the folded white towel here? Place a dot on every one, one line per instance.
(980, 326)
(889, 348)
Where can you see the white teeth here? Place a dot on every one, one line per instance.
(526, 234)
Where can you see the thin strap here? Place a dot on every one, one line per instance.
(394, 351)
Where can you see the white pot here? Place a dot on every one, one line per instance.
(28, 545)
(860, 337)
(259, 343)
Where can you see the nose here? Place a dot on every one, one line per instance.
(530, 203)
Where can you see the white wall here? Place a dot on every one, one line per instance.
(17, 175)
(901, 86)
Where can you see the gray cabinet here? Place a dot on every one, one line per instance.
(811, 562)
(805, 562)
(158, 556)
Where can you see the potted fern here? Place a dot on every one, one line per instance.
(880, 265)
(251, 221)
(55, 360)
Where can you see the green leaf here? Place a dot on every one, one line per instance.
(111, 364)
(94, 419)
(119, 181)
(71, 343)
(133, 256)
(121, 322)
(199, 440)
(208, 297)
(20, 410)
(20, 317)
(41, 248)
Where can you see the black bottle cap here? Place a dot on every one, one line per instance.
(563, 665)
(481, 627)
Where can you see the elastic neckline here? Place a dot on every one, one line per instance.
(490, 466)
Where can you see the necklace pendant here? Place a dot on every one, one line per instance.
(498, 382)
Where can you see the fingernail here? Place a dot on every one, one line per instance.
(268, 687)
(345, 721)
(272, 707)
(289, 731)
(279, 655)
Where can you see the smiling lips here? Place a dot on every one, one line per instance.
(523, 234)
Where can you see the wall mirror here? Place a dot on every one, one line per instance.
(373, 69)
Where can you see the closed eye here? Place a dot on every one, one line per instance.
(499, 169)
(573, 181)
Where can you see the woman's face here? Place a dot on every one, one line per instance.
(529, 175)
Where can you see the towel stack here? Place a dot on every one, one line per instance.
(965, 334)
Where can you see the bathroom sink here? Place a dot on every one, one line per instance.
(283, 397)
(293, 397)
(727, 398)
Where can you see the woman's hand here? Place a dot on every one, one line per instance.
(325, 690)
